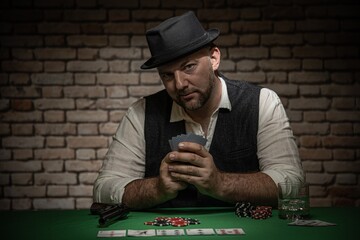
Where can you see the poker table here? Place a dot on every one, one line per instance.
(79, 224)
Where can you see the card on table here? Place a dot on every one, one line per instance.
(112, 233)
(230, 231)
(200, 231)
(310, 223)
(170, 232)
(141, 233)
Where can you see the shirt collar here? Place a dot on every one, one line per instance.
(179, 114)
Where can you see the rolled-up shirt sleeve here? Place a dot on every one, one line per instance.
(125, 159)
(277, 150)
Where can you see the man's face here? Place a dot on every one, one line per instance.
(190, 80)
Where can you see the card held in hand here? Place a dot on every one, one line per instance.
(190, 137)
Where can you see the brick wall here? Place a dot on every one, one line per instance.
(70, 70)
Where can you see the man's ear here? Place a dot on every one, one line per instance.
(215, 57)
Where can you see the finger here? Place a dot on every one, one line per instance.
(186, 158)
(193, 147)
(185, 178)
(185, 170)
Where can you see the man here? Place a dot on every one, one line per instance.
(250, 147)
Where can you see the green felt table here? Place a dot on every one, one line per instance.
(79, 224)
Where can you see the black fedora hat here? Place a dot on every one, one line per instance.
(176, 37)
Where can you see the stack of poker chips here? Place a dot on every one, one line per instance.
(246, 209)
(173, 221)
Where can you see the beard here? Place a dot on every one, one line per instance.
(203, 95)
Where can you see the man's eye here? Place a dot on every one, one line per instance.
(165, 76)
(189, 67)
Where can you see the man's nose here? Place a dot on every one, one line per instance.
(180, 80)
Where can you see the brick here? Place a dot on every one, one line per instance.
(308, 77)
(87, 41)
(87, 116)
(87, 142)
(281, 39)
(119, 15)
(22, 154)
(83, 203)
(4, 179)
(116, 92)
(249, 40)
(124, 41)
(22, 54)
(84, 92)
(58, 104)
(88, 53)
(342, 38)
(315, 154)
(339, 116)
(52, 41)
(88, 178)
(83, 166)
(23, 142)
(140, 91)
(21, 204)
(309, 103)
(310, 128)
(55, 178)
(254, 77)
(251, 27)
(314, 116)
(347, 51)
(341, 78)
(120, 53)
(22, 129)
(52, 92)
(59, 28)
(317, 25)
(276, 77)
(280, 52)
(312, 64)
(231, 40)
(283, 12)
(55, 129)
(21, 179)
(246, 65)
(55, 53)
(54, 66)
(21, 66)
(57, 191)
(309, 91)
(20, 92)
(346, 179)
(248, 53)
(342, 64)
(81, 191)
(5, 204)
(80, 15)
(319, 178)
(88, 129)
(151, 14)
(310, 141)
(85, 154)
(314, 52)
(124, 28)
(55, 142)
(51, 154)
(182, 4)
(53, 203)
(342, 142)
(317, 191)
(344, 191)
(119, 66)
(21, 41)
(100, 153)
(341, 90)
(279, 65)
(4, 129)
(284, 26)
(53, 166)
(343, 103)
(52, 78)
(85, 79)
(118, 4)
(85, 104)
(54, 116)
(311, 166)
(108, 128)
(22, 105)
(24, 191)
(19, 79)
(115, 104)
(33, 116)
(282, 90)
(87, 66)
(118, 78)
(250, 13)
(342, 128)
(320, 202)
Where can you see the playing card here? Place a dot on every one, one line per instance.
(310, 223)
(200, 231)
(230, 231)
(141, 233)
(112, 233)
(190, 137)
(170, 232)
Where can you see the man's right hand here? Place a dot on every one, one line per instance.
(168, 185)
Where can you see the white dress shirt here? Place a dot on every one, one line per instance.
(125, 160)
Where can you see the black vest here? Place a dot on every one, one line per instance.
(234, 145)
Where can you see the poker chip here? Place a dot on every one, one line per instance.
(172, 221)
(246, 209)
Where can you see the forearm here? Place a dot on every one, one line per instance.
(143, 193)
(257, 188)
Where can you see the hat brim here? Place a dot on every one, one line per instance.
(156, 61)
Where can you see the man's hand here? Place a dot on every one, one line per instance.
(168, 185)
(193, 164)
